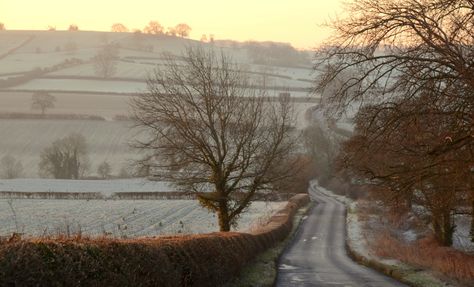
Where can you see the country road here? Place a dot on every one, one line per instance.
(317, 255)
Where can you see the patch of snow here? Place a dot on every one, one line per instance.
(410, 235)
(461, 237)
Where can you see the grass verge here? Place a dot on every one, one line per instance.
(406, 273)
(262, 271)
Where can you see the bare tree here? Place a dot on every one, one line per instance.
(153, 27)
(104, 170)
(42, 101)
(182, 30)
(414, 61)
(119, 27)
(2, 27)
(207, 132)
(66, 158)
(104, 61)
(10, 167)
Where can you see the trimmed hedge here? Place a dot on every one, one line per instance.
(192, 260)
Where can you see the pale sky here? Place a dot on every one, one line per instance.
(295, 21)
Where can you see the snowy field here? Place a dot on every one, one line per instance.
(106, 187)
(119, 218)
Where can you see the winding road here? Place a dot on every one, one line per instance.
(317, 255)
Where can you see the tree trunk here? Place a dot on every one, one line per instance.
(223, 216)
(443, 228)
(472, 220)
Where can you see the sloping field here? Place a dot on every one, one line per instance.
(24, 139)
(118, 218)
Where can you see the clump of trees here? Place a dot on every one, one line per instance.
(73, 28)
(42, 101)
(119, 27)
(65, 158)
(273, 53)
(209, 133)
(10, 167)
(413, 140)
(155, 28)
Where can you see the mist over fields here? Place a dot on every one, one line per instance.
(63, 64)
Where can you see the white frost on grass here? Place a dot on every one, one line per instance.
(107, 187)
(83, 85)
(462, 238)
(119, 218)
(355, 232)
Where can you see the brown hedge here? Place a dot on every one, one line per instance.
(193, 260)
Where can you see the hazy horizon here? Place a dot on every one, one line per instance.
(278, 21)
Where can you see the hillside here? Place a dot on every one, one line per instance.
(61, 63)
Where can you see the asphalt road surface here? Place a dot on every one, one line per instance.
(317, 255)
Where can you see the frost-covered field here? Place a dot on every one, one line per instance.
(119, 218)
(106, 187)
(25, 139)
(83, 85)
(106, 106)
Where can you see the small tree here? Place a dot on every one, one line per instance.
(119, 27)
(10, 167)
(42, 101)
(104, 61)
(104, 169)
(65, 158)
(209, 133)
(182, 30)
(2, 27)
(153, 27)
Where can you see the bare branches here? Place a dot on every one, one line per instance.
(408, 64)
(207, 131)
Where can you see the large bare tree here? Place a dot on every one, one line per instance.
(414, 65)
(207, 132)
